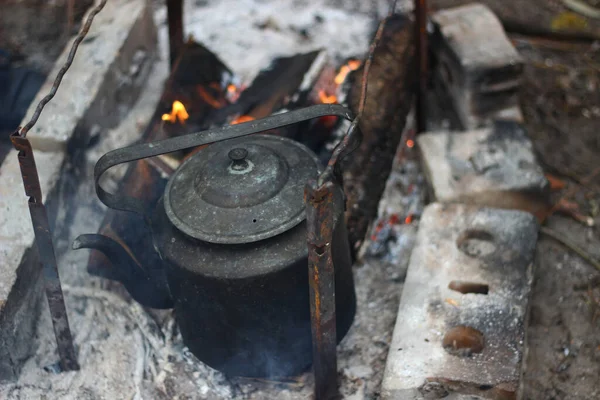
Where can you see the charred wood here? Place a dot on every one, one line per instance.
(273, 88)
(389, 100)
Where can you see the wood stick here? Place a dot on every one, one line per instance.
(367, 69)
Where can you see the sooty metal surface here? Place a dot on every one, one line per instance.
(244, 308)
(242, 190)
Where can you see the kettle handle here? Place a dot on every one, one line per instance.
(145, 150)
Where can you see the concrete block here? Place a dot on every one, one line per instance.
(460, 329)
(19, 314)
(21, 286)
(493, 166)
(105, 78)
(476, 63)
(109, 69)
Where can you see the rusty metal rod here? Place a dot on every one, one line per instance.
(47, 258)
(353, 137)
(422, 63)
(39, 216)
(320, 210)
(63, 70)
(176, 37)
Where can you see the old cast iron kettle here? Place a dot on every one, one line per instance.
(231, 232)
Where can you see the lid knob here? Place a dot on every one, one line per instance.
(238, 156)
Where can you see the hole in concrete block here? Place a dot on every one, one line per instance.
(463, 341)
(465, 287)
(476, 243)
(433, 390)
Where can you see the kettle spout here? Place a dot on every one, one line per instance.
(141, 285)
(115, 253)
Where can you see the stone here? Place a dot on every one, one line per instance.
(19, 314)
(108, 71)
(21, 286)
(106, 76)
(493, 166)
(460, 329)
(477, 64)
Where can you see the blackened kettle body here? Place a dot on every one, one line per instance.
(231, 232)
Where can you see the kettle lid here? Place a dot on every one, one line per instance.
(241, 190)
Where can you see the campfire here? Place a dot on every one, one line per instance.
(253, 236)
(262, 160)
(257, 165)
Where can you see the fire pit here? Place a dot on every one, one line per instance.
(259, 231)
(199, 101)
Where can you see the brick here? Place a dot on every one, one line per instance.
(476, 63)
(493, 166)
(455, 345)
(105, 78)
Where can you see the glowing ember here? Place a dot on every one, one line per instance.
(178, 112)
(241, 119)
(408, 219)
(327, 99)
(410, 143)
(209, 98)
(234, 92)
(345, 70)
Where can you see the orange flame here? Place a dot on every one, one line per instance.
(327, 99)
(352, 65)
(241, 119)
(410, 143)
(178, 112)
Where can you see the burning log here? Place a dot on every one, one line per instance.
(391, 83)
(283, 85)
